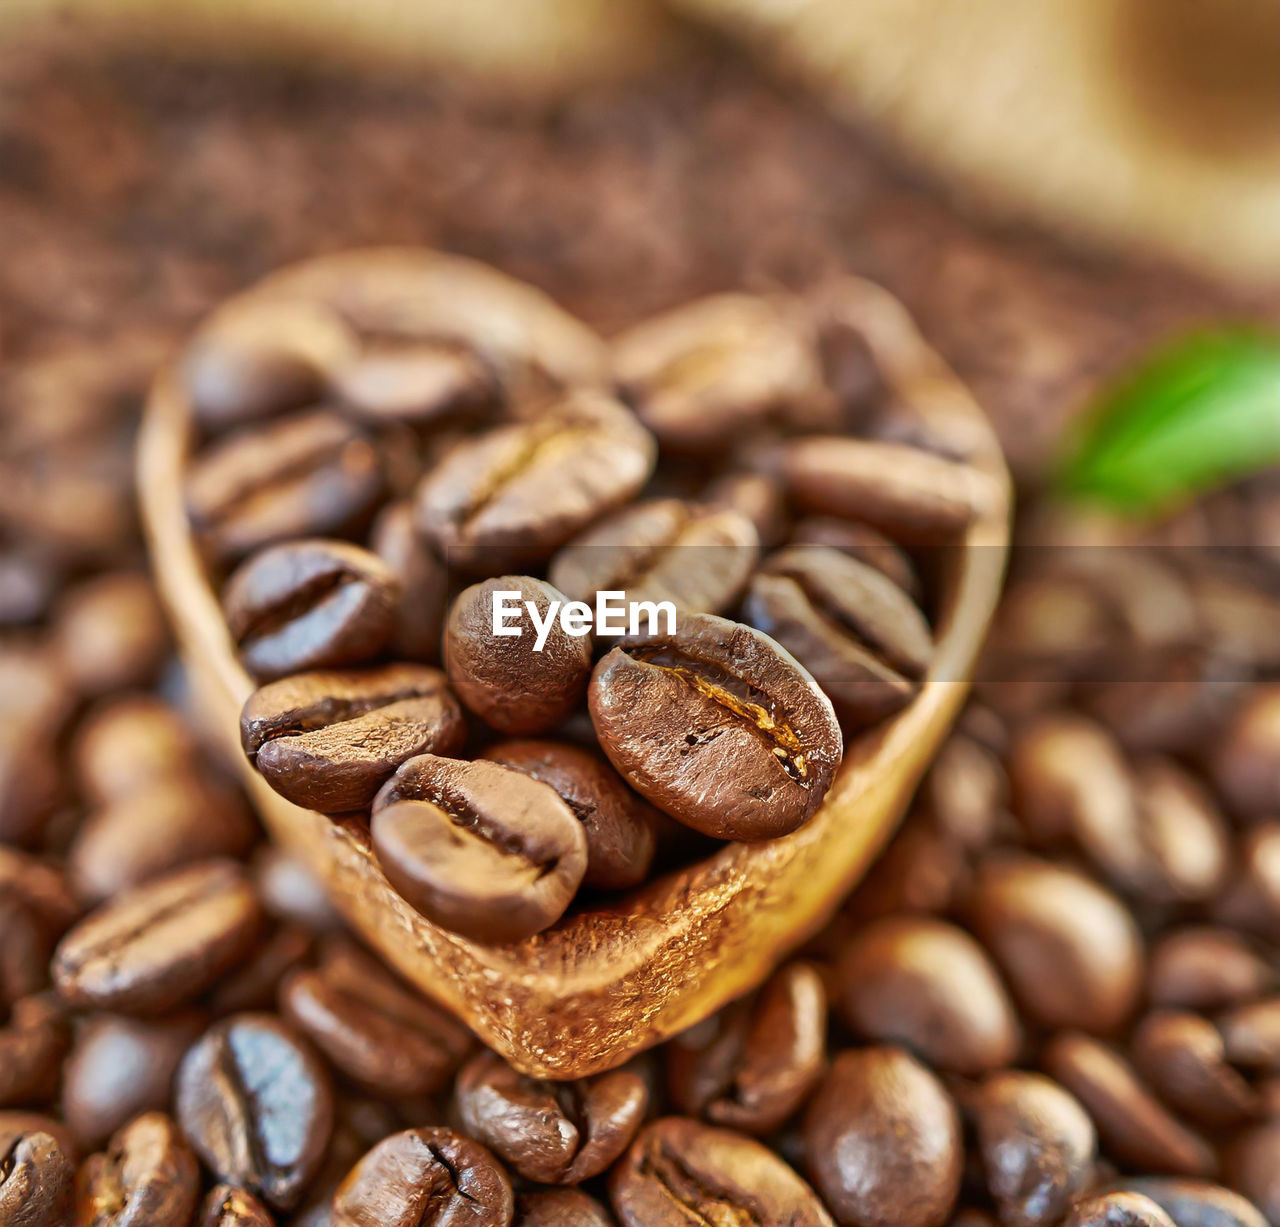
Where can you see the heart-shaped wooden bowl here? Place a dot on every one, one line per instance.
(608, 981)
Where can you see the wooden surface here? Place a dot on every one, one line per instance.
(605, 983)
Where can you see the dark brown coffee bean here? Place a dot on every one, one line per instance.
(30, 779)
(24, 950)
(1184, 1059)
(423, 583)
(756, 496)
(1037, 1146)
(1245, 761)
(506, 679)
(1133, 1125)
(862, 542)
(698, 558)
(929, 986)
(158, 945)
(718, 727)
(383, 1037)
(882, 1141)
(35, 1182)
(1117, 1210)
(425, 1178)
(309, 605)
(560, 1208)
(120, 1068)
(1193, 1203)
(1252, 1165)
(752, 1065)
(328, 740)
(1206, 969)
(550, 1132)
(619, 826)
(486, 851)
(128, 744)
(227, 1206)
(679, 1171)
(1251, 1035)
(146, 1178)
(32, 1045)
(1071, 952)
(518, 492)
(40, 888)
(256, 1105)
(419, 381)
(305, 475)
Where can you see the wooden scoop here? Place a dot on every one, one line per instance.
(606, 981)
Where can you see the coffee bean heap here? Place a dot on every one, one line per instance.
(373, 474)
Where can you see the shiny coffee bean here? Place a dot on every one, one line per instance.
(515, 494)
(256, 1105)
(128, 744)
(35, 1182)
(15, 1122)
(228, 1206)
(110, 633)
(422, 580)
(507, 680)
(145, 1178)
(752, 1065)
(679, 1171)
(425, 1178)
(486, 851)
(560, 1208)
(699, 558)
(328, 740)
(1193, 1203)
(309, 604)
(718, 727)
(1184, 1058)
(1117, 1210)
(619, 825)
(882, 1141)
(306, 475)
(158, 945)
(550, 1132)
(382, 1036)
(1206, 969)
(862, 542)
(32, 1044)
(420, 381)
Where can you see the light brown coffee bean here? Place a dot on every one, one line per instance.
(1245, 760)
(419, 381)
(127, 744)
(227, 1206)
(1117, 1210)
(560, 1208)
(1193, 1203)
(1251, 1035)
(35, 1182)
(1206, 969)
(1184, 1058)
(110, 633)
(756, 496)
(1252, 1166)
(145, 1178)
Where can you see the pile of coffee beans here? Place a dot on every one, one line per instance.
(376, 478)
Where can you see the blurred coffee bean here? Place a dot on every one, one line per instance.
(920, 871)
(679, 1171)
(32, 1044)
(328, 740)
(110, 633)
(228, 1206)
(1184, 1059)
(756, 496)
(966, 791)
(425, 1178)
(862, 542)
(718, 727)
(1251, 1035)
(24, 950)
(1251, 900)
(1134, 1126)
(254, 982)
(560, 1208)
(40, 887)
(36, 697)
(1117, 1210)
(309, 604)
(1206, 969)
(929, 986)
(28, 584)
(1193, 1203)
(35, 1182)
(291, 892)
(516, 493)
(128, 743)
(422, 579)
(619, 825)
(378, 1033)
(486, 851)
(752, 1065)
(507, 680)
(145, 1178)
(159, 944)
(305, 475)
(882, 1141)
(1252, 1166)
(420, 381)
(550, 1132)
(1071, 952)
(15, 1122)
(256, 1105)
(1245, 760)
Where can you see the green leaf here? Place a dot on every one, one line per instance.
(1197, 416)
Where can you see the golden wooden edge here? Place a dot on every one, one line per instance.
(604, 984)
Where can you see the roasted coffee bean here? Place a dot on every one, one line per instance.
(680, 1171)
(291, 892)
(698, 558)
(227, 1206)
(1251, 901)
(619, 825)
(308, 474)
(32, 1045)
(1117, 1210)
(40, 888)
(1134, 1126)
(425, 1178)
(35, 1182)
(423, 582)
(862, 542)
(550, 1132)
(1037, 1147)
(328, 740)
(1206, 969)
(1252, 1165)
(1193, 1203)
(703, 374)
(110, 633)
(256, 1105)
(418, 381)
(757, 497)
(14, 1123)
(507, 680)
(379, 1034)
(127, 744)
(910, 494)
(718, 727)
(560, 1208)
(1184, 1059)
(929, 986)
(921, 871)
(1245, 761)
(24, 950)
(30, 778)
(1251, 1035)
(486, 851)
(882, 1141)
(1071, 952)
(120, 1068)
(158, 945)
(752, 1065)
(310, 605)
(146, 1178)
(253, 983)
(966, 791)
(516, 493)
